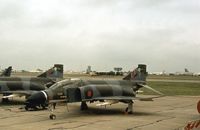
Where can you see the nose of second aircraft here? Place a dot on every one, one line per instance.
(36, 99)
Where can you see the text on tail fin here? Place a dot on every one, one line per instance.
(139, 73)
(7, 72)
(54, 72)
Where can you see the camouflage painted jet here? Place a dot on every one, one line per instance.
(106, 91)
(25, 86)
(6, 72)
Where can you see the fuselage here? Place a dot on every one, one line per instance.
(19, 86)
(9, 85)
(77, 90)
(88, 89)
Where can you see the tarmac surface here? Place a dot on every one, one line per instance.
(165, 113)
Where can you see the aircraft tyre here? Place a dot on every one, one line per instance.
(26, 108)
(84, 106)
(127, 111)
(52, 117)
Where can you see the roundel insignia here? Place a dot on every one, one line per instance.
(89, 93)
(198, 106)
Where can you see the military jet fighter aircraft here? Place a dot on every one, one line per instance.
(6, 72)
(106, 91)
(25, 86)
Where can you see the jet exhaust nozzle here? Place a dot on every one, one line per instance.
(37, 99)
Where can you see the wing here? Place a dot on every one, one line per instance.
(150, 88)
(114, 100)
(57, 101)
(123, 98)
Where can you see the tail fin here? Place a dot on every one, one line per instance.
(139, 73)
(54, 72)
(186, 70)
(7, 72)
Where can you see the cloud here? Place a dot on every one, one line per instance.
(104, 34)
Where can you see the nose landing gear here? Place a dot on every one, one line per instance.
(52, 116)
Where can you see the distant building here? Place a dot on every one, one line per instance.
(118, 71)
(89, 69)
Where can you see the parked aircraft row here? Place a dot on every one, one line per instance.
(106, 92)
(49, 88)
(185, 73)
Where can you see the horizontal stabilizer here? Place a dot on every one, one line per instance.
(150, 88)
(148, 98)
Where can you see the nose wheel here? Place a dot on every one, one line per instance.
(84, 106)
(52, 117)
(51, 109)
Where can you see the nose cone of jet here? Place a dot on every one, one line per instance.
(37, 98)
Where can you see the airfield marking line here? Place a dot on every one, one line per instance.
(151, 123)
(81, 125)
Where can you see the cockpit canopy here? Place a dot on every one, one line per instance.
(64, 83)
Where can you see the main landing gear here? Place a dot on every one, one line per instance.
(52, 116)
(51, 108)
(129, 109)
(84, 106)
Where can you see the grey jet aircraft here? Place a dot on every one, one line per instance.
(25, 86)
(107, 92)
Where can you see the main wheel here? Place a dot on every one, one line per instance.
(128, 112)
(84, 106)
(26, 108)
(52, 117)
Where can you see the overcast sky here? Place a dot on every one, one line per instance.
(164, 34)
